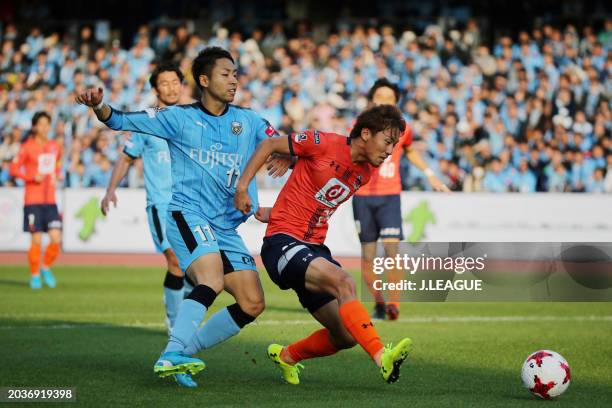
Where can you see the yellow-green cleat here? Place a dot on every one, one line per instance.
(392, 358)
(290, 373)
(171, 363)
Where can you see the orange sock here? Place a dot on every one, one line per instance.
(315, 345)
(51, 254)
(357, 321)
(34, 259)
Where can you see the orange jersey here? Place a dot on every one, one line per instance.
(385, 180)
(323, 178)
(38, 158)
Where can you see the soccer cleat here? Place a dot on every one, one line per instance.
(379, 312)
(48, 277)
(35, 282)
(290, 373)
(171, 363)
(392, 312)
(392, 358)
(185, 380)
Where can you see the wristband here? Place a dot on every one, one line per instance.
(428, 172)
(98, 106)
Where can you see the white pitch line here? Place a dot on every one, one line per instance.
(414, 319)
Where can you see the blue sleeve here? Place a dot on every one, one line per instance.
(134, 145)
(164, 123)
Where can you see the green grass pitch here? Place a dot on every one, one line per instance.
(102, 329)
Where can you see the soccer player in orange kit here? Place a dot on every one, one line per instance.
(38, 164)
(377, 206)
(330, 169)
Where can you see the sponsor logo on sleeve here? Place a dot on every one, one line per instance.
(270, 131)
(300, 137)
(152, 111)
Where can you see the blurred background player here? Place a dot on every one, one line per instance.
(167, 82)
(38, 164)
(330, 169)
(377, 205)
(210, 142)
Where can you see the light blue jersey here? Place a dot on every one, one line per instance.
(208, 153)
(156, 162)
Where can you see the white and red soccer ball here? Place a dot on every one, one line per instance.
(546, 374)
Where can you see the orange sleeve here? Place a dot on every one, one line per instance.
(18, 165)
(407, 136)
(308, 143)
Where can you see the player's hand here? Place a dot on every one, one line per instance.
(242, 201)
(109, 197)
(263, 214)
(278, 165)
(438, 185)
(90, 97)
(38, 178)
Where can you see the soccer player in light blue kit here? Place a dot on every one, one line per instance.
(166, 80)
(210, 143)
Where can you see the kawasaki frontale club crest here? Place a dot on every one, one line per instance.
(236, 128)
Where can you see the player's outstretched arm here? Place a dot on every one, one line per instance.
(416, 159)
(272, 145)
(119, 171)
(93, 98)
(162, 123)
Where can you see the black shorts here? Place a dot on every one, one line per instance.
(378, 216)
(286, 260)
(41, 218)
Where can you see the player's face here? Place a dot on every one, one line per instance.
(42, 127)
(223, 80)
(384, 96)
(168, 88)
(380, 146)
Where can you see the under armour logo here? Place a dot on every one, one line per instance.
(365, 325)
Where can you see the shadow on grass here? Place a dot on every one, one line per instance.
(111, 365)
(11, 282)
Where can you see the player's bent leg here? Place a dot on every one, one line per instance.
(324, 342)
(209, 277)
(324, 275)
(245, 287)
(207, 271)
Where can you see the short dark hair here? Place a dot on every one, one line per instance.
(38, 115)
(384, 83)
(378, 118)
(165, 66)
(205, 61)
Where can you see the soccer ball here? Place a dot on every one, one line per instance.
(546, 374)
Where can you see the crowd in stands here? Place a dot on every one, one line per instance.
(527, 113)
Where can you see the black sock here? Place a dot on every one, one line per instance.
(173, 282)
(203, 294)
(240, 317)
